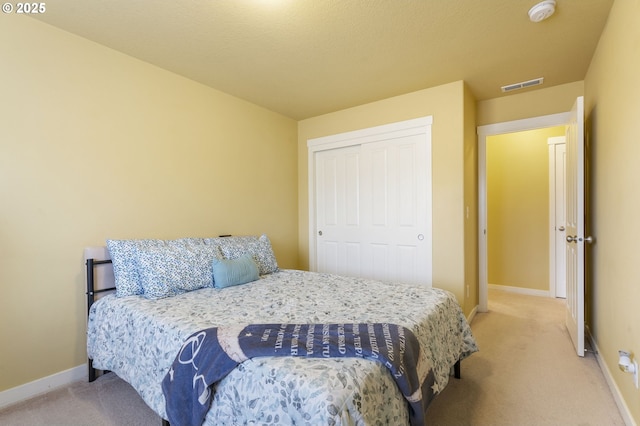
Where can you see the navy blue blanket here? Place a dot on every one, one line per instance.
(209, 355)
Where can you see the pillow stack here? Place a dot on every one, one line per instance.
(164, 268)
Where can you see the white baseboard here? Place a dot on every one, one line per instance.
(43, 385)
(520, 290)
(615, 390)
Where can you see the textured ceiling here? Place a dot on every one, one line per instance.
(304, 58)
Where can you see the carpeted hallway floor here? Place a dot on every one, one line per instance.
(526, 373)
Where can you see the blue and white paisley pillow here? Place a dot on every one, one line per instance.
(124, 257)
(259, 248)
(122, 253)
(175, 268)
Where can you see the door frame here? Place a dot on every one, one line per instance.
(351, 138)
(484, 132)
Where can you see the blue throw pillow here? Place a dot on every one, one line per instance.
(230, 272)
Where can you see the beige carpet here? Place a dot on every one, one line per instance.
(526, 373)
(109, 401)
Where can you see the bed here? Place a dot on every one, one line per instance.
(165, 291)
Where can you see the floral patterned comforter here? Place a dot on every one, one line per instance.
(138, 339)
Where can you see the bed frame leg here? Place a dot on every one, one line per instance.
(456, 369)
(92, 371)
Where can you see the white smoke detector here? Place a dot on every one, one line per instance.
(542, 10)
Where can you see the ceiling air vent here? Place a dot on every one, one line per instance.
(522, 85)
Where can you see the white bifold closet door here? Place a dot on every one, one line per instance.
(373, 208)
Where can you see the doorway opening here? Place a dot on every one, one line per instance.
(485, 134)
(521, 189)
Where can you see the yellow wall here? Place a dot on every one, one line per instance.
(518, 208)
(446, 104)
(612, 104)
(551, 100)
(97, 145)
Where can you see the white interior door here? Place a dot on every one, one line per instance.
(575, 216)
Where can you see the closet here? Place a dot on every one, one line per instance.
(370, 202)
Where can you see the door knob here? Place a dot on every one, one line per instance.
(561, 229)
(575, 239)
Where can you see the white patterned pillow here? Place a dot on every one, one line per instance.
(176, 268)
(259, 248)
(124, 257)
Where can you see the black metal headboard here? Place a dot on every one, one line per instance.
(91, 291)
